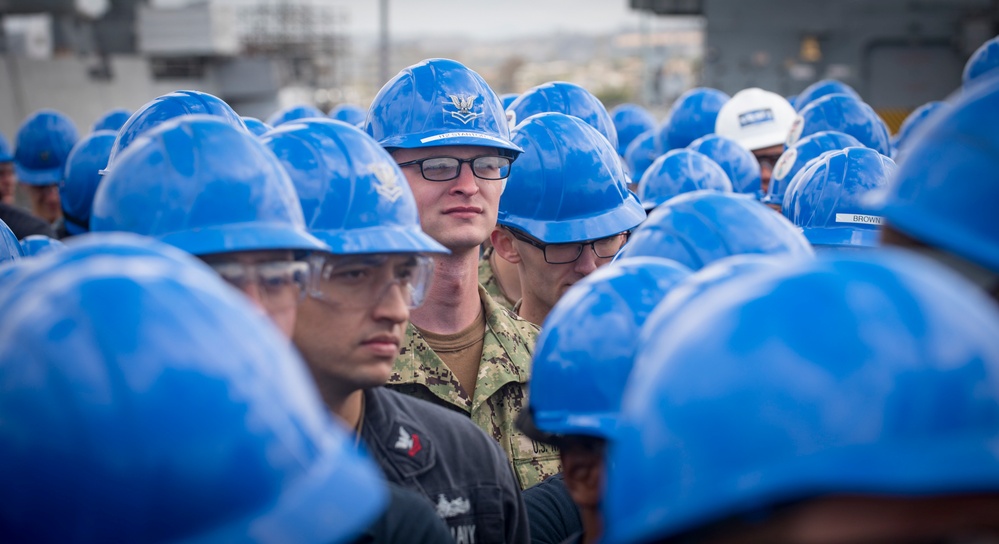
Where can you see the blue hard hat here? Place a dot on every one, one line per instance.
(38, 244)
(739, 163)
(797, 156)
(697, 228)
(640, 154)
(945, 189)
(508, 99)
(704, 280)
(6, 152)
(438, 102)
(915, 120)
(200, 184)
(844, 114)
(354, 196)
(568, 185)
(983, 60)
(630, 120)
(83, 167)
(567, 98)
(10, 248)
(680, 171)
(831, 202)
(295, 113)
(585, 351)
(146, 401)
(166, 107)
(350, 114)
(44, 141)
(112, 120)
(863, 374)
(256, 126)
(822, 88)
(692, 115)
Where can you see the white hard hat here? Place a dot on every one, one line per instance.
(755, 118)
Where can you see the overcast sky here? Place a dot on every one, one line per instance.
(489, 18)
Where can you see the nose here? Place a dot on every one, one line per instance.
(392, 306)
(765, 172)
(252, 292)
(588, 261)
(465, 183)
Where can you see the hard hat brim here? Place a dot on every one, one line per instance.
(845, 237)
(446, 138)
(243, 237)
(624, 218)
(378, 240)
(48, 176)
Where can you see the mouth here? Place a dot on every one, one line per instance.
(463, 210)
(383, 344)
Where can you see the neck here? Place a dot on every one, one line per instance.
(532, 309)
(453, 301)
(593, 527)
(507, 276)
(347, 406)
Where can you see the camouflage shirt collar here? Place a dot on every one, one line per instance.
(507, 349)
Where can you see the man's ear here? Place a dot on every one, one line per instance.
(504, 245)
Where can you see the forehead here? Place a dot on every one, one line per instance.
(249, 257)
(375, 259)
(459, 151)
(767, 151)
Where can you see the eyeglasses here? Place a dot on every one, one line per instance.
(448, 168)
(604, 248)
(768, 161)
(360, 281)
(280, 284)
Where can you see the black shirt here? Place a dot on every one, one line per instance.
(23, 223)
(446, 458)
(409, 518)
(553, 517)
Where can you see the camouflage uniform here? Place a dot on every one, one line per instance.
(500, 389)
(488, 280)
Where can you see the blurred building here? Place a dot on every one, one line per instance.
(898, 54)
(85, 57)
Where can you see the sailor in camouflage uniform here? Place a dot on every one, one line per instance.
(462, 350)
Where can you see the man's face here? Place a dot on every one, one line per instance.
(272, 280)
(767, 158)
(459, 213)
(547, 282)
(45, 201)
(7, 182)
(353, 320)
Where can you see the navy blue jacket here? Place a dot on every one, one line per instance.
(445, 457)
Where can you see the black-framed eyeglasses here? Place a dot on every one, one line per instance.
(604, 248)
(448, 168)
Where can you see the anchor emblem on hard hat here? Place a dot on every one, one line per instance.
(387, 184)
(464, 105)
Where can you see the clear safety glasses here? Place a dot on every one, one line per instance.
(361, 281)
(448, 168)
(279, 284)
